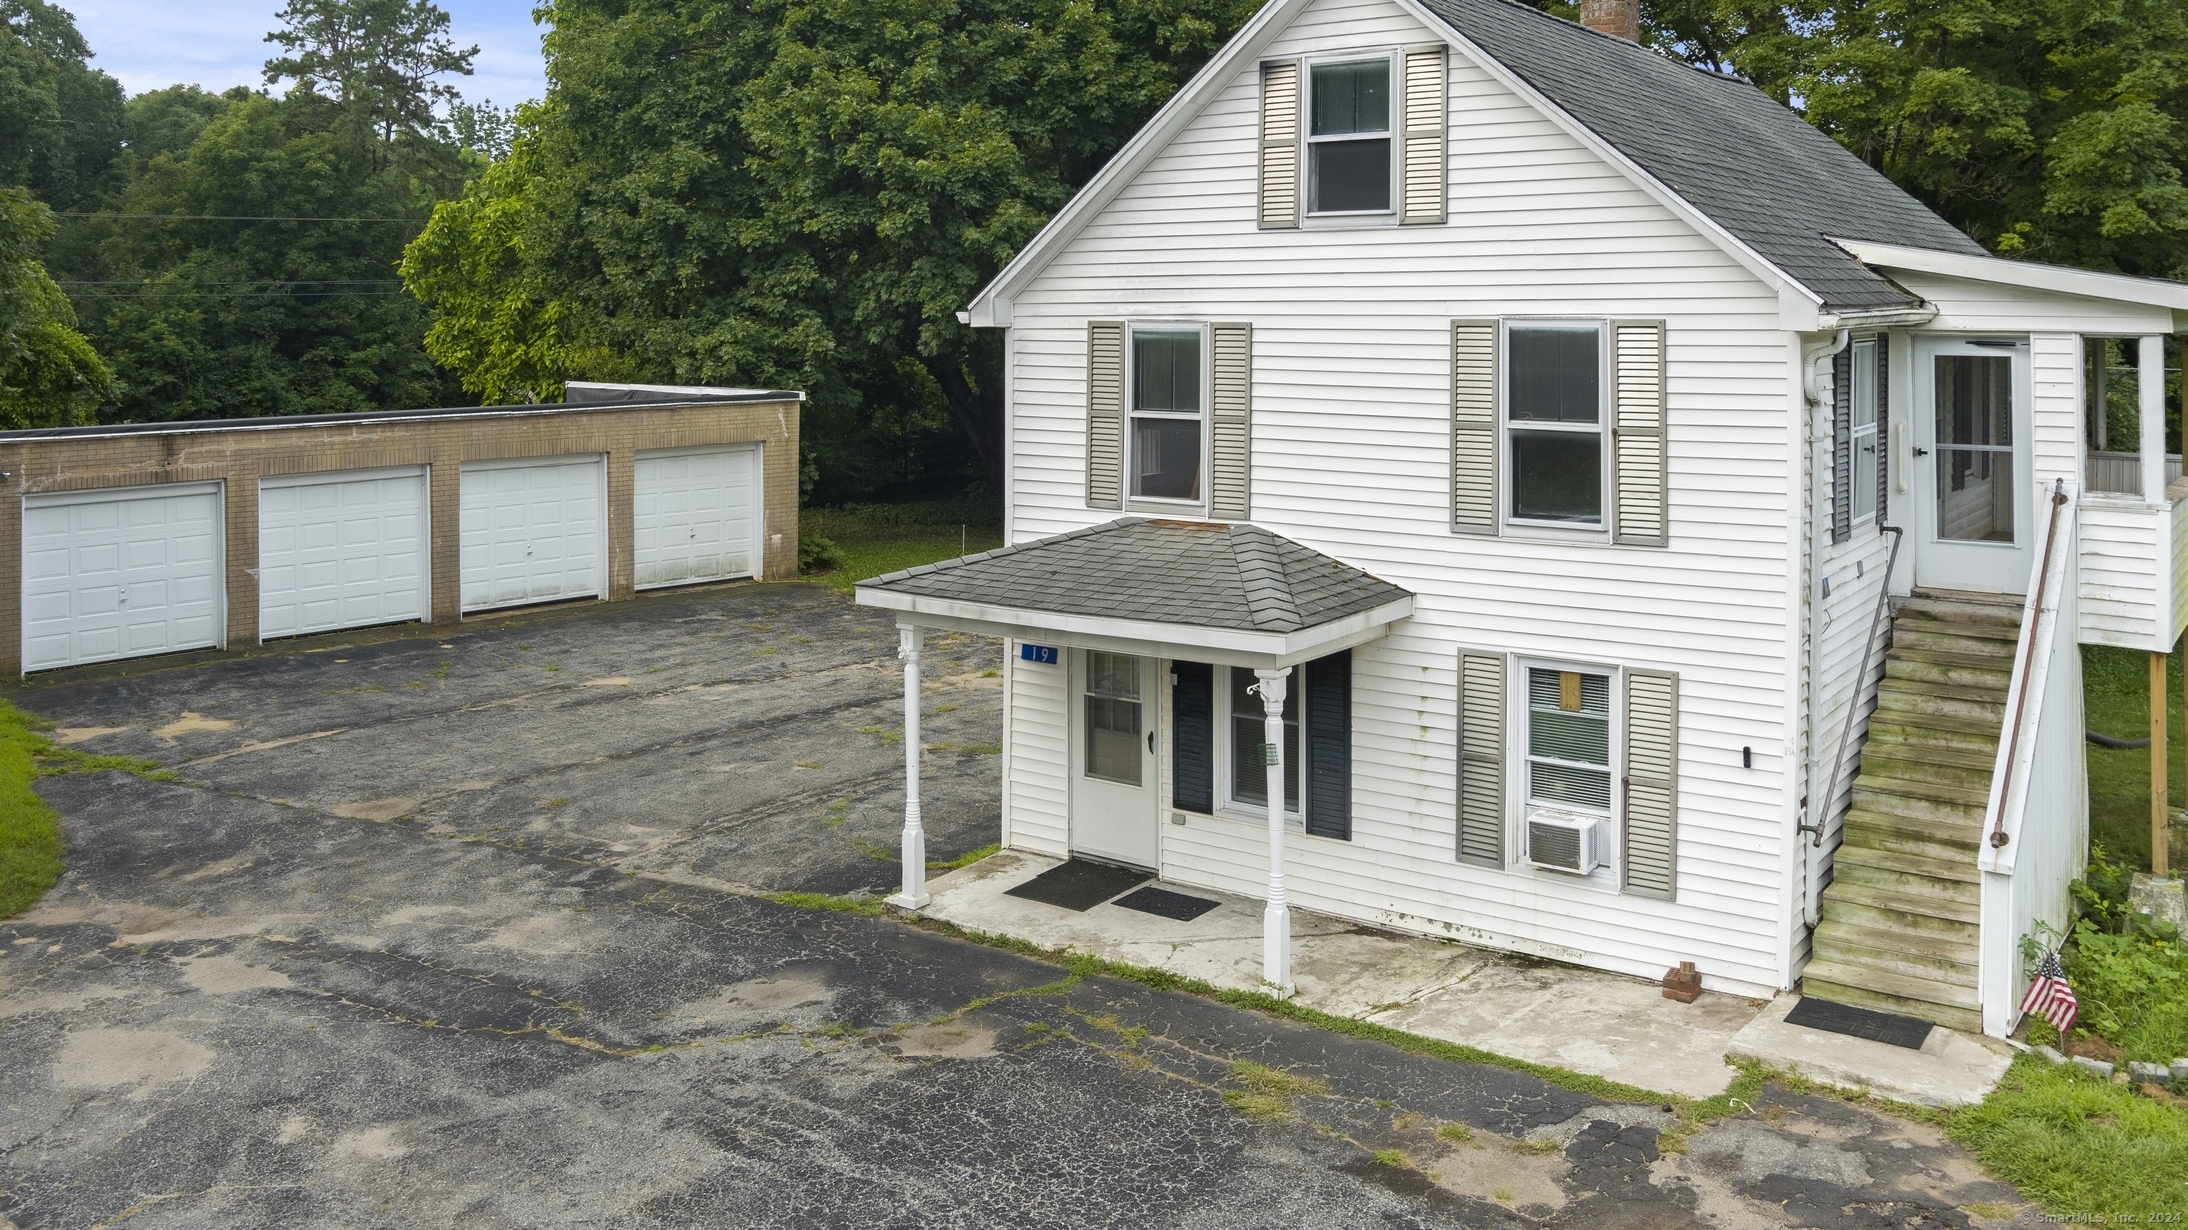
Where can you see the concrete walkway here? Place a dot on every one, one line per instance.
(1607, 1025)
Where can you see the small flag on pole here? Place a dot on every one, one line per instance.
(2050, 997)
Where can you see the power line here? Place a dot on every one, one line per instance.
(100, 213)
(150, 285)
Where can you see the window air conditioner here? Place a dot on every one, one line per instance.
(1563, 841)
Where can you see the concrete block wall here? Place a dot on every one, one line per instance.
(237, 453)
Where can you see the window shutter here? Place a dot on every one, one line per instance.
(1650, 841)
(1104, 414)
(1842, 444)
(1193, 737)
(1640, 468)
(1481, 758)
(1884, 421)
(1231, 428)
(1474, 426)
(1279, 172)
(1329, 746)
(1425, 169)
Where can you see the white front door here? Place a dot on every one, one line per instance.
(694, 515)
(1973, 502)
(119, 574)
(1115, 805)
(343, 550)
(533, 530)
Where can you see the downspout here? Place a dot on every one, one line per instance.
(1813, 357)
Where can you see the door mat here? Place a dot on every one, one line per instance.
(1166, 904)
(1855, 1022)
(1078, 884)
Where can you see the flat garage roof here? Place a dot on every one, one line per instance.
(278, 421)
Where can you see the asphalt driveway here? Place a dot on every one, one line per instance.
(455, 928)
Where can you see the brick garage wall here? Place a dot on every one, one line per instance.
(238, 454)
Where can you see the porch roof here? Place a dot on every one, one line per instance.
(1234, 593)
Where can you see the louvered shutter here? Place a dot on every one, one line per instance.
(1474, 426)
(1651, 830)
(1884, 419)
(1193, 736)
(1231, 429)
(1424, 167)
(1329, 746)
(1481, 758)
(1642, 517)
(1104, 414)
(1842, 444)
(1279, 170)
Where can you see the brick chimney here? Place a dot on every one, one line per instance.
(1617, 18)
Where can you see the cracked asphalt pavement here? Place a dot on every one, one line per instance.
(459, 927)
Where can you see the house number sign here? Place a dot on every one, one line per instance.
(1043, 654)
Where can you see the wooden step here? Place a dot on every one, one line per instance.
(1952, 670)
(1916, 698)
(1923, 998)
(1977, 640)
(1886, 765)
(1874, 906)
(1962, 607)
(1973, 735)
(1912, 954)
(1977, 797)
(1914, 892)
(1885, 800)
(1906, 835)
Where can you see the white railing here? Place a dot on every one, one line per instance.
(2036, 823)
(2121, 473)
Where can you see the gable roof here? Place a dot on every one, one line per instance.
(1239, 578)
(1750, 174)
(1744, 160)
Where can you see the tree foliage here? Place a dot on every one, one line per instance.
(60, 119)
(795, 194)
(2051, 129)
(49, 374)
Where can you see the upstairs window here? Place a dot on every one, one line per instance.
(1348, 137)
(1166, 414)
(1554, 410)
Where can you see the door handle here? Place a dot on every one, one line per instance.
(1150, 742)
(1922, 452)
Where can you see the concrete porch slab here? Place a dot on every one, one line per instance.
(1951, 1069)
(1606, 1025)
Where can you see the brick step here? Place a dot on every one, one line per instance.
(1909, 954)
(1878, 906)
(1922, 998)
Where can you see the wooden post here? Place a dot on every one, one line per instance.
(2158, 753)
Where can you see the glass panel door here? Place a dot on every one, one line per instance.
(1976, 488)
(1113, 725)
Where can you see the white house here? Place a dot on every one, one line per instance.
(1536, 445)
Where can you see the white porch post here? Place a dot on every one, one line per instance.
(1276, 920)
(2150, 385)
(914, 896)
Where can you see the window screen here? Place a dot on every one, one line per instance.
(1166, 414)
(1569, 739)
(1348, 137)
(1554, 412)
(1249, 734)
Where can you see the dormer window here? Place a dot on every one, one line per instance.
(1348, 137)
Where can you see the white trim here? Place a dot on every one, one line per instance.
(2119, 288)
(1517, 526)
(991, 307)
(312, 478)
(1219, 646)
(1392, 85)
(135, 491)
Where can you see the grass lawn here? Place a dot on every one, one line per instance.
(2080, 1145)
(30, 832)
(2116, 695)
(875, 541)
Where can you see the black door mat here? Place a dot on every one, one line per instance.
(1855, 1022)
(1078, 884)
(1166, 904)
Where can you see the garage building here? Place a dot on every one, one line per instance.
(152, 538)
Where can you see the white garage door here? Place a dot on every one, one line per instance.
(533, 531)
(117, 574)
(341, 550)
(695, 514)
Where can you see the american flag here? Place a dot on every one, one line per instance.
(2050, 996)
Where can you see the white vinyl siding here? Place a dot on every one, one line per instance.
(533, 530)
(1352, 456)
(344, 550)
(694, 515)
(1036, 798)
(120, 574)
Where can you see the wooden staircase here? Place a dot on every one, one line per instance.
(1900, 916)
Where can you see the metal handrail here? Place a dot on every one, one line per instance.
(1861, 677)
(2008, 750)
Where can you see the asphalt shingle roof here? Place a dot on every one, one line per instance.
(1749, 164)
(1239, 577)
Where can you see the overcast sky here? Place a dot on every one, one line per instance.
(148, 44)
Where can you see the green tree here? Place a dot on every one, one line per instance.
(2055, 129)
(795, 194)
(49, 374)
(60, 119)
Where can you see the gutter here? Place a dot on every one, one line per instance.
(1813, 356)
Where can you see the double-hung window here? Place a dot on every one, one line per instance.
(1865, 442)
(1568, 739)
(1554, 419)
(1348, 137)
(1250, 738)
(1167, 425)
